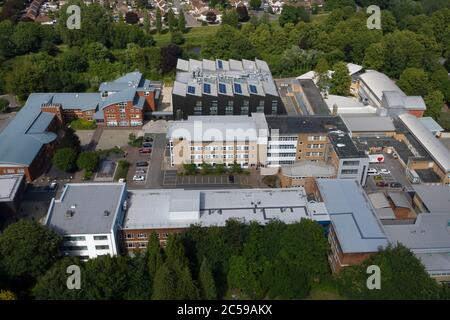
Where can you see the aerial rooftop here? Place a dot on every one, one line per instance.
(181, 208)
(86, 208)
(223, 128)
(232, 77)
(352, 216)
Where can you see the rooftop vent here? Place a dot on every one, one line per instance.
(340, 145)
(69, 213)
(106, 213)
(73, 206)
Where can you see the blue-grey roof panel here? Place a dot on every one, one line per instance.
(41, 123)
(82, 101)
(352, 214)
(117, 97)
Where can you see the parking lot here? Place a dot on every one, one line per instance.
(170, 179)
(396, 174)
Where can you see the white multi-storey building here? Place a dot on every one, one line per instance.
(88, 216)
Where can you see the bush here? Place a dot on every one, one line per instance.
(133, 141)
(82, 124)
(88, 160)
(177, 38)
(65, 159)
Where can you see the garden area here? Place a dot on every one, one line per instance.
(206, 169)
(81, 124)
(122, 170)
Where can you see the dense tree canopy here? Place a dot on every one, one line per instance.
(27, 249)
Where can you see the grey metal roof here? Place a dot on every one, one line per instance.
(431, 124)
(121, 96)
(434, 147)
(399, 199)
(82, 101)
(436, 198)
(25, 135)
(368, 123)
(88, 201)
(132, 79)
(353, 217)
(430, 232)
(379, 82)
(379, 200)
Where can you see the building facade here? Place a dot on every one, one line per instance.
(219, 140)
(224, 88)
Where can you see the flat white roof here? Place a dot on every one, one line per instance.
(9, 184)
(149, 209)
(223, 128)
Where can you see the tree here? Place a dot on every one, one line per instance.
(158, 23)
(147, 24)
(255, 4)
(340, 81)
(154, 255)
(242, 13)
(323, 79)
(105, 278)
(164, 287)
(88, 160)
(131, 17)
(52, 285)
(65, 159)
(206, 281)
(28, 249)
(70, 140)
(414, 81)
(139, 281)
(434, 102)
(181, 21)
(171, 20)
(231, 18)
(398, 266)
(169, 57)
(291, 14)
(26, 38)
(374, 57)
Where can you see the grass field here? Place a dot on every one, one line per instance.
(326, 290)
(194, 37)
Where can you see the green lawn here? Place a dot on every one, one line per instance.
(195, 36)
(325, 290)
(122, 170)
(319, 18)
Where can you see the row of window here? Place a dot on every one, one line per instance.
(283, 146)
(282, 138)
(83, 238)
(224, 156)
(313, 154)
(317, 138)
(145, 235)
(81, 248)
(349, 171)
(216, 148)
(315, 146)
(281, 154)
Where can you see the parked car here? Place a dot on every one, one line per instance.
(148, 139)
(231, 179)
(138, 178)
(395, 155)
(53, 185)
(395, 185)
(145, 150)
(382, 184)
(140, 171)
(372, 172)
(384, 171)
(142, 164)
(146, 145)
